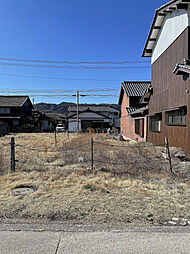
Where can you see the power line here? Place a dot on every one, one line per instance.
(7, 90)
(75, 67)
(70, 95)
(70, 62)
(60, 78)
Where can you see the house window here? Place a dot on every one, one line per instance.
(176, 117)
(155, 123)
(4, 110)
(139, 127)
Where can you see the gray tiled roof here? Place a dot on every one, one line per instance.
(56, 115)
(97, 108)
(131, 109)
(139, 110)
(182, 67)
(12, 101)
(136, 88)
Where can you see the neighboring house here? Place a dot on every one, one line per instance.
(168, 43)
(58, 119)
(14, 110)
(95, 116)
(134, 98)
(38, 122)
(98, 117)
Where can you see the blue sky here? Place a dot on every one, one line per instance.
(85, 30)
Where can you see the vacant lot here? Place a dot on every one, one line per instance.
(130, 182)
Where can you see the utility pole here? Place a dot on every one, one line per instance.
(77, 110)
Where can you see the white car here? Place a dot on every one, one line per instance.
(59, 128)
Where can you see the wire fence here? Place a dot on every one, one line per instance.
(90, 154)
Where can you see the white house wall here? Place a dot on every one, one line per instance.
(173, 25)
(72, 125)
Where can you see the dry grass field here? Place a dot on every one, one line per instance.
(130, 183)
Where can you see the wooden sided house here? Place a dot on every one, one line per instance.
(134, 98)
(168, 45)
(14, 110)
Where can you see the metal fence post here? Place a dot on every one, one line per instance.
(12, 155)
(92, 154)
(168, 151)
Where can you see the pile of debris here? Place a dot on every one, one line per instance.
(114, 134)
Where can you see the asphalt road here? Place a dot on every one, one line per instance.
(33, 239)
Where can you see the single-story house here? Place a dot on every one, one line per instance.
(100, 116)
(89, 119)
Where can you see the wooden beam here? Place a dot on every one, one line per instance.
(149, 51)
(161, 14)
(173, 8)
(167, 11)
(182, 6)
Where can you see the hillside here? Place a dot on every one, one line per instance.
(54, 108)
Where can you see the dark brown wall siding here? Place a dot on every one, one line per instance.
(178, 136)
(169, 91)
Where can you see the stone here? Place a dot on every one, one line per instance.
(183, 223)
(180, 154)
(81, 160)
(175, 219)
(188, 222)
(172, 223)
(164, 155)
(150, 217)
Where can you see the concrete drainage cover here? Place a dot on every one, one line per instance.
(22, 190)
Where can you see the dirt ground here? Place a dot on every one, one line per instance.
(130, 183)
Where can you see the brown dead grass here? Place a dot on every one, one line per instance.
(136, 187)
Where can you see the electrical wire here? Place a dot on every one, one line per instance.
(60, 78)
(73, 95)
(7, 90)
(70, 62)
(75, 67)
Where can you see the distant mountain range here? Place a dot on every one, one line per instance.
(62, 108)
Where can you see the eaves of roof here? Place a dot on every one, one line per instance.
(88, 111)
(13, 101)
(131, 109)
(157, 22)
(140, 110)
(10, 117)
(182, 68)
